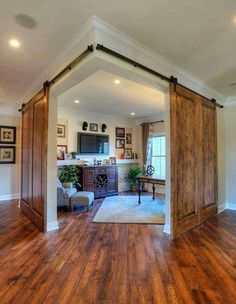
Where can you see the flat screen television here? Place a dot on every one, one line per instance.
(93, 143)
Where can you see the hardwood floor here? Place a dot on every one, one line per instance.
(86, 262)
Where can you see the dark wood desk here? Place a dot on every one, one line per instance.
(149, 180)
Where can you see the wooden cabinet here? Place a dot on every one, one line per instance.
(102, 180)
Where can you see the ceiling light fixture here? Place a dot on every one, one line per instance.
(132, 113)
(76, 101)
(117, 81)
(14, 43)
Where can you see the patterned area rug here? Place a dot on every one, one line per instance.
(125, 209)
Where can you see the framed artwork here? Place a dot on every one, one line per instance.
(68, 156)
(61, 131)
(7, 135)
(120, 132)
(120, 143)
(93, 127)
(113, 160)
(7, 155)
(128, 153)
(128, 138)
(106, 161)
(61, 152)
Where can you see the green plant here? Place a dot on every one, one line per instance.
(132, 175)
(73, 154)
(69, 174)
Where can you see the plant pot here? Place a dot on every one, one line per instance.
(67, 185)
(134, 188)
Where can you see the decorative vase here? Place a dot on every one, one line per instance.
(134, 188)
(67, 185)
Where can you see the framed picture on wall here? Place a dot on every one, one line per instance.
(61, 152)
(7, 135)
(120, 132)
(94, 127)
(120, 143)
(61, 131)
(7, 155)
(128, 138)
(128, 153)
(113, 160)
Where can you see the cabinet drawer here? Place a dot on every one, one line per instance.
(112, 173)
(101, 171)
(112, 186)
(89, 175)
(89, 187)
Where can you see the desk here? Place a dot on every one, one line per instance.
(149, 180)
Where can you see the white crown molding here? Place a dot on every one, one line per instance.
(126, 45)
(97, 31)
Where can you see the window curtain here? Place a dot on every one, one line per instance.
(147, 135)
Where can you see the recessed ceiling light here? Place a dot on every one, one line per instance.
(76, 101)
(132, 113)
(117, 81)
(14, 43)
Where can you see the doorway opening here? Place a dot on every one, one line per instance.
(112, 121)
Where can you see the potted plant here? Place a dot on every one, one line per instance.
(73, 155)
(132, 177)
(69, 176)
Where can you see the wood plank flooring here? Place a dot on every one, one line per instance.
(86, 262)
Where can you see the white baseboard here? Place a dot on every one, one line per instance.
(8, 197)
(221, 208)
(231, 206)
(52, 226)
(167, 229)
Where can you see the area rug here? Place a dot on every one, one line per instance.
(125, 209)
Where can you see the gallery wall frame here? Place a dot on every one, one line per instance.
(7, 135)
(7, 154)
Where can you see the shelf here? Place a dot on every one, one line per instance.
(127, 161)
(69, 162)
(80, 162)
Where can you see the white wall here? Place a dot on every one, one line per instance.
(10, 173)
(74, 120)
(230, 154)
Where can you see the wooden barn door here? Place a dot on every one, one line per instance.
(34, 155)
(193, 159)
(209, 145)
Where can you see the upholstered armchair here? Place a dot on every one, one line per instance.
(64, 194)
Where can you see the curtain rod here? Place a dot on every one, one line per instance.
(152, 123)
(145, 68)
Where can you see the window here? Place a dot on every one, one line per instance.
(159, 156)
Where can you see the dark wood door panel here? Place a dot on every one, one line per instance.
(25, 157)
(34, 155)
(186, 159)
(209, 161)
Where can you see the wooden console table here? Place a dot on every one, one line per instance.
(149, 180)
(100, 179)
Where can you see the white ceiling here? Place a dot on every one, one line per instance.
(198, 35)
(99, 94)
